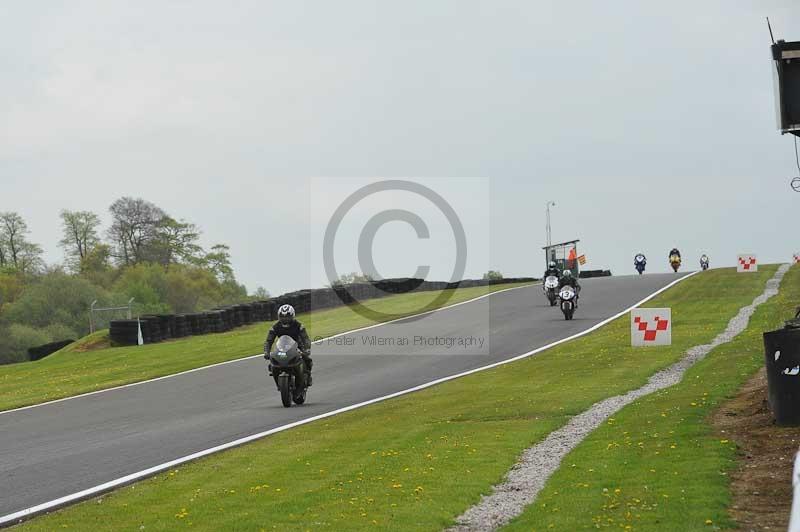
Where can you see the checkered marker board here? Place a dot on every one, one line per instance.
(651, 326)
(796, 258)
(746, 263)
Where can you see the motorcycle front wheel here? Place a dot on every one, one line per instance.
(286, 392)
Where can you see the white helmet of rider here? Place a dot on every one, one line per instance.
(552, 264)
(567, 273)
(286, 314)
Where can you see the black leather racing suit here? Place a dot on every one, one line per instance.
(552, 271)
(298, 333)
(573, 282)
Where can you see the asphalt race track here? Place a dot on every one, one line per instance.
(62, 448)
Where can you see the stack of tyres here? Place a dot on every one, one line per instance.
(229, 318)
(181, 327)
(156, 328)
(214, 321)
(124, 332)
(303, 300)
(243, 313)
(264, 310)
(256, 311)
(323, 298)
(167, 325)
(194, 324)
(151, 329)
(343, 294)
(272, 310)
(41, 351)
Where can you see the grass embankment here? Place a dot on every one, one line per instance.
(415, 462)
(659, 464)
(77, 369)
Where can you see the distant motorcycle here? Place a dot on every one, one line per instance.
(568, 297)
(289, 371)
(639, 262)
(550, 286)
(675, 262)
(704, 262)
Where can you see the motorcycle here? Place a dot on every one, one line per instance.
(704, 262)
(639, 263)
(550, 286)
(286, 366)
(675, 262)
(568, 297)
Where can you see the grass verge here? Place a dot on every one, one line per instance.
(415, 462)
(658, 464)
(81, 368)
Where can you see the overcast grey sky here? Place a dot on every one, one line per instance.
(649, 125)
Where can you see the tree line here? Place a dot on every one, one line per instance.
(144, 254)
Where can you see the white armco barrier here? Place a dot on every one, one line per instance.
(794, 519)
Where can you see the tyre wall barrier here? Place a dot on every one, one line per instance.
(594, 273)
(159, 327)
(41, 351)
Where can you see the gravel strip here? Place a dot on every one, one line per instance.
(528, 476)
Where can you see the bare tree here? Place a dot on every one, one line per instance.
(18, 253)
(134, 227)
(79, 229)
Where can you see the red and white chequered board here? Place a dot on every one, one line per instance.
(797, 258)
(746, 263)
(651, 326)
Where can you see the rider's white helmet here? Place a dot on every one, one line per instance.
(286, 314)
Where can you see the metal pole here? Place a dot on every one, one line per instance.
(130, 302)
(91, 317)
(549, 203)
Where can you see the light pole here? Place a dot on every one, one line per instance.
(547, 207)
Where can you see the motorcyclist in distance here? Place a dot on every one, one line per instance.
(674, 252)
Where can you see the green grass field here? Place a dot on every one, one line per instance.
(418, 461)
(658, 465)
(72, 372)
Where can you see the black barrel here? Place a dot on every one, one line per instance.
(782, 357)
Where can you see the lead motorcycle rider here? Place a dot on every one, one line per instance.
(287, 325)
(568, 279)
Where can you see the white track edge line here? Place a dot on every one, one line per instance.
(154, 379)
(127, 479)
